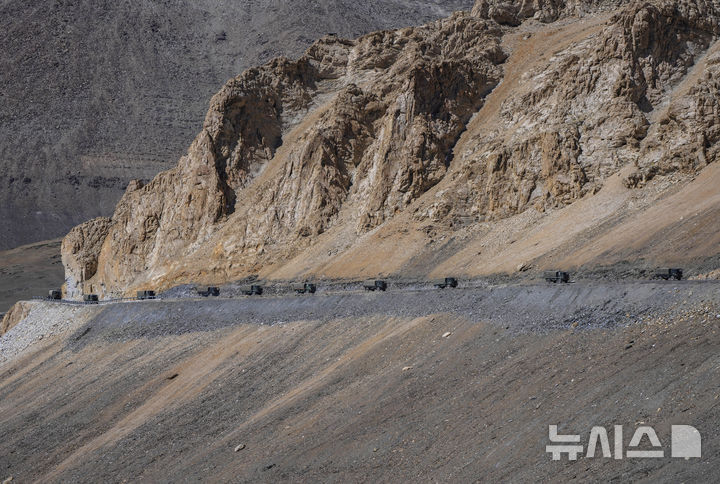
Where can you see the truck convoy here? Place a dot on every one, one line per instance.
(554, 277)
(668, 274)
(373, 285)
(305, 287)
(447, 282)
(557, 277)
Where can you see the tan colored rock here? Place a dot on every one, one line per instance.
(585, 112)
(80, 249)
(17, 313)
(395, 124)
(369, 124)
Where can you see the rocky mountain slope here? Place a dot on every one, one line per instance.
(439, 386)
(540, 125)
(96, 93)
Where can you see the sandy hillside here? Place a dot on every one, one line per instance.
(402, 388)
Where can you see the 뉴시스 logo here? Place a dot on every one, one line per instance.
(685, 443)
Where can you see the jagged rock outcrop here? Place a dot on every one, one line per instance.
(355, 133)
(514, 12)
(80, 250)
(396, 104)
(587, 112)
(686, 135)
(95, 93)
(17, 313)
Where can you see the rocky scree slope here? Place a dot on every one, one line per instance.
(358, 135)
(271, 389)
(96, 93)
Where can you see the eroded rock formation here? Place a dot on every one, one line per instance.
(588, 112)
(514, 12)
(17, 313)
(356, 132)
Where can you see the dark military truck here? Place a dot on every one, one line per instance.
(374, 285)
(304, 287)
(211, 291)
(557, 277)
(253, 290)
(447, 282)
(667, 274)
(143, 295)
(90, 298)
(55, 295)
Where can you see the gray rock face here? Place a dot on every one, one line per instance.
(94, 94)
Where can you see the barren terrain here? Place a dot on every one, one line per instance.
(573, 138)
(29, 271)
(364, 387)
(95, 93)
(494, 144)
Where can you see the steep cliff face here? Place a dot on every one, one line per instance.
(586, 111)
(396, 124)
(367, 123)
(95, 93)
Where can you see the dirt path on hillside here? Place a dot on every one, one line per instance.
(369, 397)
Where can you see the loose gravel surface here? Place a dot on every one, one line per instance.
(44, 321)
(530, 307)
(411, 384)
